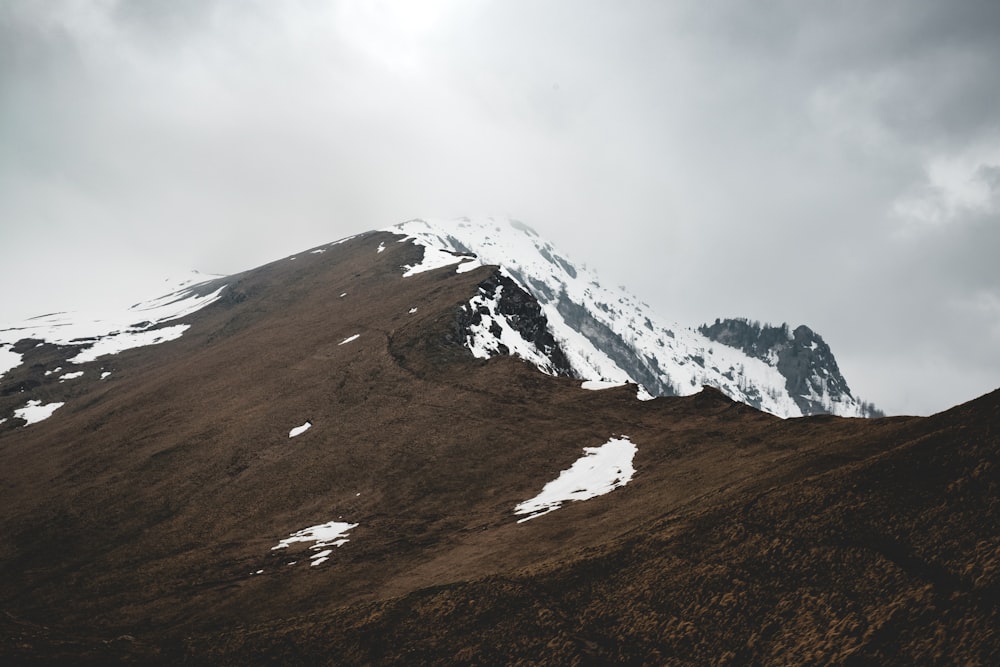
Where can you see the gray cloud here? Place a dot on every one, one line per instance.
(829, 164)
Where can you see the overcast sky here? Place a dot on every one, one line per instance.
(835, 164)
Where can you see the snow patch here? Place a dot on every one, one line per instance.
(343, 240)
(35, 412)
(71, 376)
(381, 248)
(318, 251)
(111, 332)
(412, 310)
(330, 534)
(349, 339)
(9, 359)
(126, 341)
(433, 259)
(299, 430)
(105, 375)
(598, 385)
(600, 470)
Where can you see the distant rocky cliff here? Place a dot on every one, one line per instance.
(812, 376)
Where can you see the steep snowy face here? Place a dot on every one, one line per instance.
(607, 334)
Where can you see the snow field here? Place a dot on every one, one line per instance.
(9, 360)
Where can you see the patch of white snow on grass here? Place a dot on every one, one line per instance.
(349, 339)
(299, 430)
(330, 534)
(126, 341)
(343, 240)
(412, 310)
(467, 266)
(71, 376)
(9, 360)
(598, 385)
(317, 252)
(35, 412)
(601, 470)
(105, 375)
(381, 247)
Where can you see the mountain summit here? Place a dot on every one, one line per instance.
(606, 334)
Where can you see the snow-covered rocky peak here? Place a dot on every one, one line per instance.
(607, 334)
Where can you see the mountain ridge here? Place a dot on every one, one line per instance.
(610, 335)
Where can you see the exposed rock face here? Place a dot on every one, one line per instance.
(522, 313)
(812, 376)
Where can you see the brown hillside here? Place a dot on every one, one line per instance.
(134, 519)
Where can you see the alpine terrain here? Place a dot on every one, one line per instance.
(445, 443)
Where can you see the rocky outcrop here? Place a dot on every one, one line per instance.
(812, 376)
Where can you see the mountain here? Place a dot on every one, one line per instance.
(608, 334)
(812, 377)
(306, 463)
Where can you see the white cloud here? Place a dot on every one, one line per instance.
(956, 187)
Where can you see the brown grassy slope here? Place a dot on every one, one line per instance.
(143, 506)
(891, 560)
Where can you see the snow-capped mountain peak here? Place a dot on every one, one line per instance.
(608, 334)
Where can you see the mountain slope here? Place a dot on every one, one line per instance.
(179, 511)
(608, 334)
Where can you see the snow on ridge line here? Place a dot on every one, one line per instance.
(109, 332)
(599, 385)
(599, 471)
(663, 359)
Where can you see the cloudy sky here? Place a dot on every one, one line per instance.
(833, 164)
